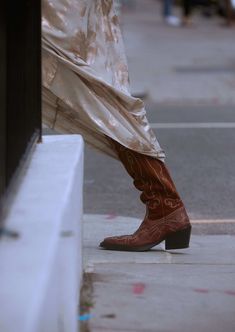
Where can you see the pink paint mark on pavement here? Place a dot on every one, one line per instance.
(111, 216)
(138, 288)
(230, 292)
(201, 290)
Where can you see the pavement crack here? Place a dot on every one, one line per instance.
(86, 301)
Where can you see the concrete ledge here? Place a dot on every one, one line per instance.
(41, 269)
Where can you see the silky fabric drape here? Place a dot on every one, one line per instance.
(85, 78)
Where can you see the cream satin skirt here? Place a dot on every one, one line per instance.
(85, 78)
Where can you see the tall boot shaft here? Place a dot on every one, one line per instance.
(152, 178)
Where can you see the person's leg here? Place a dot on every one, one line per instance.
(167, 13)
(165, 219)
(187, 12)
(167, 8)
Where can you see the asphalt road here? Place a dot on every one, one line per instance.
(201, 161)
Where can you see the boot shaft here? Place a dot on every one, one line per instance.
(152, 178)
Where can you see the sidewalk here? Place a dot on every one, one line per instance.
(175, 291)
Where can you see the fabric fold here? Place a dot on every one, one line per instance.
(85, 78)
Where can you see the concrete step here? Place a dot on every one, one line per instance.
(41, 264)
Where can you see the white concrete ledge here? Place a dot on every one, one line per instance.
(40, 271)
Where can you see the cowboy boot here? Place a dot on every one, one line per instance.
(166, 218)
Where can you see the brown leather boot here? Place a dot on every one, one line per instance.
(165, 219)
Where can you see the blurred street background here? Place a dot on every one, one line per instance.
(186, 75)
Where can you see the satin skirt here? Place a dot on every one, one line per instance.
(85, 78)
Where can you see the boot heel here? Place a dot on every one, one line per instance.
(179, 239)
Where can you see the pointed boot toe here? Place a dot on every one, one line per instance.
(114, 242)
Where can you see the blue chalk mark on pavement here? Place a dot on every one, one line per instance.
(85, 317)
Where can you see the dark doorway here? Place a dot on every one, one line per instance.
(20, 83)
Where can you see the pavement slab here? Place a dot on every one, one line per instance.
(179, 290)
